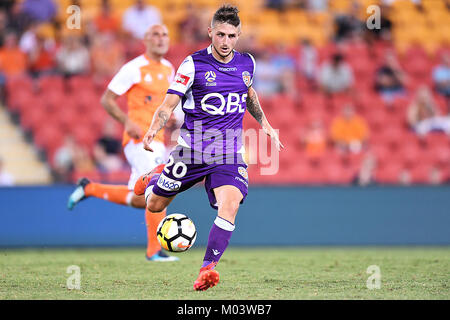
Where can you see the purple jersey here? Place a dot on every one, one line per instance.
(214, 101)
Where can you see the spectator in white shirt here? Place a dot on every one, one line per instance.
(138, 18)
(73, 56)
(336, 75)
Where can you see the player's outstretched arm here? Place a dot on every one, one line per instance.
(109, 102)
(256, 111)
(160, 118)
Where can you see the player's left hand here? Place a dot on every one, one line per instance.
(274, 136)
(147, 140)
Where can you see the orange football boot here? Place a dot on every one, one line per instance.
(207, 278)
(142, 182)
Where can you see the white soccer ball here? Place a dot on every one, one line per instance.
(176, 232)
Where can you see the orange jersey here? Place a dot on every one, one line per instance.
(145, 83)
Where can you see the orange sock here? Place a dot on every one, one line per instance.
(114, 193)
(152, 220)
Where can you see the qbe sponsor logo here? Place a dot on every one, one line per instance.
(168, 184)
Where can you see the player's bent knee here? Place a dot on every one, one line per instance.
(138, 201)
(155, 206)
(229, 208)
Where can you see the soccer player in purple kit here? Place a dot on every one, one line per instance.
(214, 86)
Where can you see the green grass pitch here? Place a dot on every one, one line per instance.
(246, 273)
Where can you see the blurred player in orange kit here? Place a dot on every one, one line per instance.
(145, 81)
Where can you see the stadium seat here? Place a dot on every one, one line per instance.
(84, 135)
(55, 99)
(439, 155)
(303, 172)
(48, 137)
(382, 153)
(436, 140)
(420, 174)
(20, 83)
(33, 118)
(339, 100)
(68, 117)
(335, 173)
(51, 83)
(80, 83)
(391, 136)
(88, 99)
(377, 118)
(388, 174)
(410, 154)
(369, 100)
(313, 101)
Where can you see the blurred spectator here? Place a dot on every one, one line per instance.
(317, 5)
(282, 60)
(41, 57)
(138, 18)
(266, 83)
(108, 149)
(349, 131)
(107, 55)
(307, 60)
(28, 39)
(106, 21)
(18, 20)
(404, 177)
(73, 56)
(435, 176)
(441, 76)
(63, 159)
(336, 75)
(3, 26)
(366, 173)
(276, 4)
(423, 115)
(191, 26)
(13, 61)
(349, 25)
(82, 160)
(71, 157)
(390, 78)
(6, 179)
(287, 84)
(315, 139)
(39, 10)
(384, 32)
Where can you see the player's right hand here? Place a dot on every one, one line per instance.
(133, 130)
(148, 138)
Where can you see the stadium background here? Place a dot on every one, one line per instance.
(387, 185)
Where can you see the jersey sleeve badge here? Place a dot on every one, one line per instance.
(182, 79)
(247, 78)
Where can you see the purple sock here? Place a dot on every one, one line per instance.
(218, 240)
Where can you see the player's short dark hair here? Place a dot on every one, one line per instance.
(227, 14)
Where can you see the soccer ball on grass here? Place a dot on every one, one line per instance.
(176, 232)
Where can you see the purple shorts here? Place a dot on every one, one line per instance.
(185, 169)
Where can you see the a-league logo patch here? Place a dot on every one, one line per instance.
(243, 172)
(210, 77)
(246, 77)
(181, 78)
